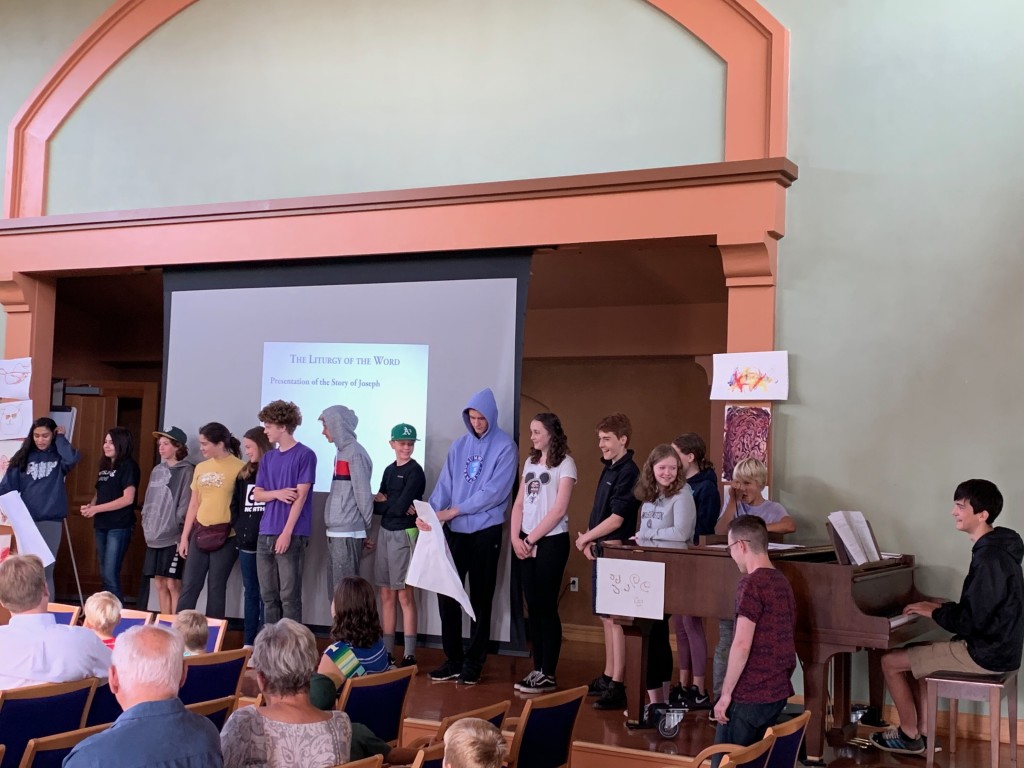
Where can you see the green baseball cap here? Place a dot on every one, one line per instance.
(403, 432)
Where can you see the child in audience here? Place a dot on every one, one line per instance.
(358, 647)
(403, 483)
(192, 626)
(102, 614)
(613, 520)
(474, 743)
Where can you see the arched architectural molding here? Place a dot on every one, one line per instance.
(753, 44)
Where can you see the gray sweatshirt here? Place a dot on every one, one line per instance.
(349, 506)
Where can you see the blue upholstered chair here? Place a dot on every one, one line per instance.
(41, 710)
(216, 711)
(217, 629)
(430, 757)
(104, 708)
(494, 714)
(543, 733)
(378, 701)
(50, 751)
(754, 756)
(213, 676)
(64, 614)
(788, 738)
(131, 618)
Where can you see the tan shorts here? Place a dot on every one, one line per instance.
(951, 656)
(393, 553)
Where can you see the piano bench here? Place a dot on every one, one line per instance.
(990, 688)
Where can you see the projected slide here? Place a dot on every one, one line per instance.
(385, 384)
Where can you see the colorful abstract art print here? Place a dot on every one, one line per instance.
(747, 429)
(750, 376)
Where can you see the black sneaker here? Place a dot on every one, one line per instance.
(447, 671)
(697, 700)
(677, 696)
(598, 685)
(614, 697)
(468, 677)
(527, 682)
(408, 661)
(896, 741)
(652, 713)
(539, 683)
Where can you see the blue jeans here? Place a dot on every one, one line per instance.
(747, 724)
(111, 546)
(253, 601)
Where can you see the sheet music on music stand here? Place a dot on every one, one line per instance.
(853, 538)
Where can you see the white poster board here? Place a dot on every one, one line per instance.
(30, 541)
(15, 378)
(630, 588)
(750, 376)
(15, 420)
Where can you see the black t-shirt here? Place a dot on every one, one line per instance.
(110, 485)
(402, 485)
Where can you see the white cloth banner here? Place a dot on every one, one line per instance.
(432, 567)
(30, 541)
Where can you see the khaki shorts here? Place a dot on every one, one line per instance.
(951, 656)
(393, 553)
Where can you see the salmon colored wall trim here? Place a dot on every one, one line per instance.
(752, 43)
(30, 303)
(123, 26)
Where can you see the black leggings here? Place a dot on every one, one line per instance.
(659, 656)
(542, 581)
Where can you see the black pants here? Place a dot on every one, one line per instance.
(659, 656)
(198, 564)
(475, 554)
(542, 580)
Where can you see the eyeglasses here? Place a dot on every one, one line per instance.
(731, 545)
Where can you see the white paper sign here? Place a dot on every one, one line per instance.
(431, 566)
(750, 376)
(15, 378)
(15, 420)
(30, 541)
(630, 588)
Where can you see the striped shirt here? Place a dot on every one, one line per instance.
(355, 662)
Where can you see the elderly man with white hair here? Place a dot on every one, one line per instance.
(146, 671)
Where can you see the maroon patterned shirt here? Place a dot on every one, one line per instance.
(765, 598)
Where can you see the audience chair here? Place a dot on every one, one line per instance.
(494, 714)
(702, 758)
(41, 710)
(64, 614)
(788, 738)
(216, 711)
(430, 757)
(543, 733)
(50, 751)
(990, 688)
(754, 756)
(367, 762)
(213, 676)
(131, 618)
(378, 701)
(217, 630)
(104, 709)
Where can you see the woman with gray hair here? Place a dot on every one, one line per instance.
(288, 731)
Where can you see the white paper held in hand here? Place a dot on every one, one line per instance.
(30, 541)
(431, 566)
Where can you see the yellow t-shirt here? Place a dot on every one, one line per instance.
(214, 481)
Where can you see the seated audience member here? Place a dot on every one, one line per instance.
(763, 653)
(155, 728)
(749, 477)
(474, 743)
(358, 647)
(102, 613)
(289, 730)
(194, 630)
(988, 621)
(34, 648)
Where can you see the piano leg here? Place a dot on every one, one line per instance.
(637, 640)
(841, 690)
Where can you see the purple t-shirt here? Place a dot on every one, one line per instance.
(769, 511)
(766, 598)
(287, 469)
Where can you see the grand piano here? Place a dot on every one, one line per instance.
(840, 609)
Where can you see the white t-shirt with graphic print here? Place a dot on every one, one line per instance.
(541, 491)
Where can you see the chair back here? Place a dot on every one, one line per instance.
(41, 710)
(63, 613)
(378, 701)
(788, 738)
(216, 711)
(494, 714)
(376, 761)
(104, 707)
(217, 627)
(543, 738)
(50, 751)
(213, 676)
(430, 757)
(132, 618)
(754, 756)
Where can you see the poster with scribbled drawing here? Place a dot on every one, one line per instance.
(15, 420)
(15, 377)
(7, 449)
(750, 376)
(746, 435)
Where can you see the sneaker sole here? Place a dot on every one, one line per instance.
(536, 690)
(899, 751)
(446, 679)
(460, 681)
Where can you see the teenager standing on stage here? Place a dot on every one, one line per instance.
(247, 514)
(540, 541)
(112, 509)
(37, 470)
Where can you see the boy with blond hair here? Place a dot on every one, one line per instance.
(192, 626)
(102, 614)
(474, 743)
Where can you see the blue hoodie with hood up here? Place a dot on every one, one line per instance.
(479, 474)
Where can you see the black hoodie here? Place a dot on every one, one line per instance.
(990, 614)
(708, 501)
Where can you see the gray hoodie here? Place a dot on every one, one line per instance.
(349, 506)
(167, 498)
